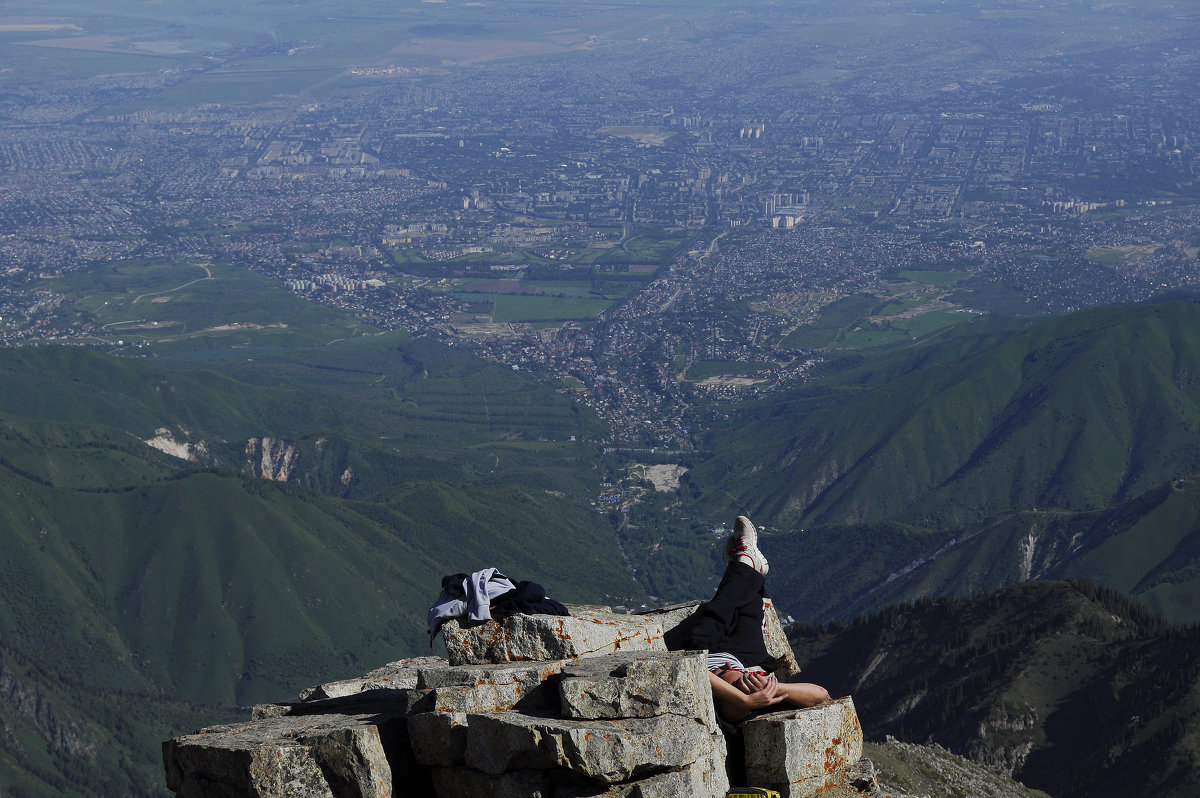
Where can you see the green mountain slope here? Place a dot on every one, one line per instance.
(62, 738)
(1146, 547)
(1071, 688)
(387, 409)
(219, 589)
(1075, 412)
(1000, 451)
(137, 578)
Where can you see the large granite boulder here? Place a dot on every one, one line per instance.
(318, 756)
(397, 675)
(642, 685)
(524, 638)
(491, 688)
(609, 751)
(803, 752)
(618, 718)
(704, 777)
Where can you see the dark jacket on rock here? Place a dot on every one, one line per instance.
(475, 598)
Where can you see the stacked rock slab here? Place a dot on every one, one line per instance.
(341, 751)
(625, 724)
(590, 705)
(523, 638)
(803, 752)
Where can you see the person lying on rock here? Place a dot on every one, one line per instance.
(730, 627)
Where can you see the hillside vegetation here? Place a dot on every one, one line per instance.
(1068, 687)
(1146, 547)
(1074, 412)
(184, 587)
(1004, 450)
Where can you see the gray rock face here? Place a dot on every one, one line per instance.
(606, 750)
(271, 458)
(777, 644)
(438, 738)
(642, 685)
(802, 752)
(397, 675)
(317, 756)
(491, 688)
(28, 703)
(705, 776)
(539, 638)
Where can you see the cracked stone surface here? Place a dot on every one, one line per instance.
(318, 756)
(525, 638)
(640, 685)
(803, 752)
(606, 750)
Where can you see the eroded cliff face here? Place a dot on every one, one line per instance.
(272, 458)
(165, 441)
(266, 457)
(29, 704)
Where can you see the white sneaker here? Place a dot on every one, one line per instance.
(742, 545)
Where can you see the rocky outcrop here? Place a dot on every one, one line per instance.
(28, 702)
(522, 638)
(590, 631)
(271, 458)
(399, 675)
(588, 705)
(803, 752)
(164, 440)
(933, 770)
(339, 752)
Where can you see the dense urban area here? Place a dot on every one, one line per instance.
(701, 207)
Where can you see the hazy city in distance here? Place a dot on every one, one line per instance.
(642, 203)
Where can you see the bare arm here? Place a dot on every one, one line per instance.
(733, 704)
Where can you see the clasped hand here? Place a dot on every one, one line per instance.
(761, 689)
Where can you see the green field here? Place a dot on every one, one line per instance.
(838, 321)
(535, 300)
(40, 64)
(639, 256)
(1116, 257)
(926, 323)
(868, 336)
(865, 320)
(544, 288)
(188, 305)
(703, 369)
(545, 308)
